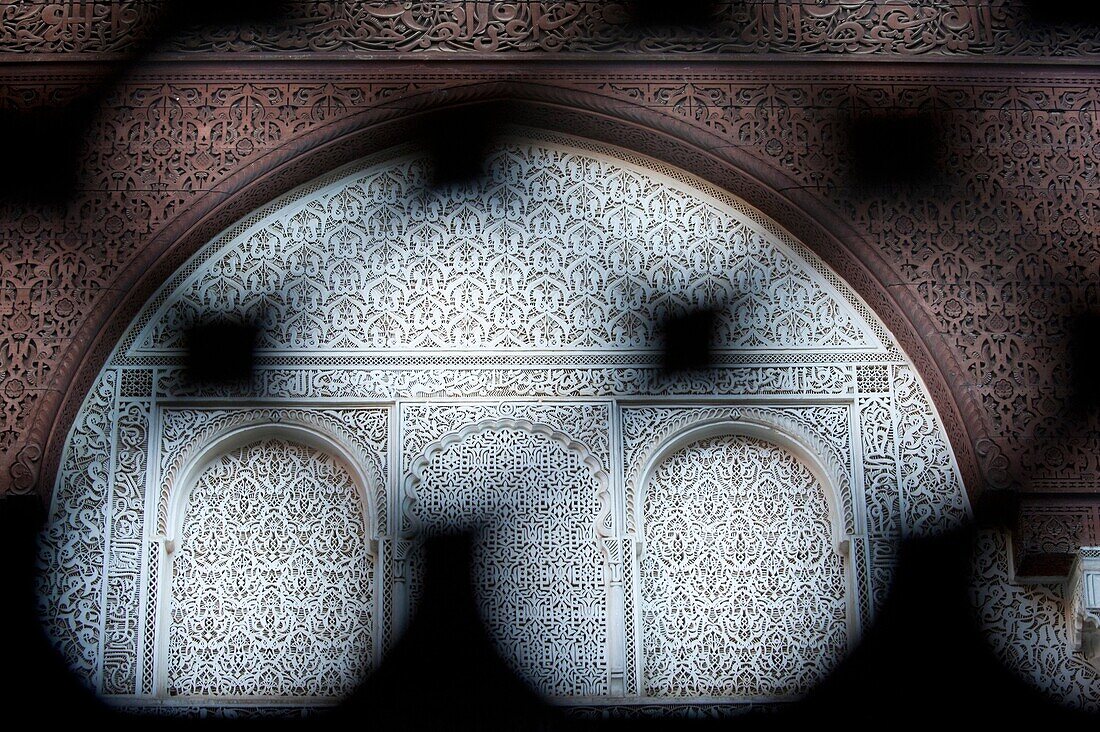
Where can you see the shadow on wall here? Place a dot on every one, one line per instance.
(43, 140)
(924, 660)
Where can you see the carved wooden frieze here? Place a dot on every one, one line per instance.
(908, 28)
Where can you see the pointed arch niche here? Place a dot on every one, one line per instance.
(508, 328)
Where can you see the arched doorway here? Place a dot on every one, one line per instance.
(395, 318)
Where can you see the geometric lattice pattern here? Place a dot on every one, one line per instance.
(538, 568)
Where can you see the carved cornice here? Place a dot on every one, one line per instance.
(426, 28)
(1050, 529)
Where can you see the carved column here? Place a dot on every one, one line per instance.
(615, 550)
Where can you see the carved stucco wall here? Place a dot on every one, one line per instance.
(708, 509)
(272, 585)
(975, 257)
(539, 563)
(1027, 626)
(985, 264)
(495, 338)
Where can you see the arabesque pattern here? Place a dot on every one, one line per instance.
(742, 593)
(904, 28)
(485, 355)
(986, 264)
(379, 263)
(538, 569)
(272, 589)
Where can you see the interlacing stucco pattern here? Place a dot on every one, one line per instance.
(487, 355)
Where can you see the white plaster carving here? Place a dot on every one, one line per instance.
(1082, 592)
(272, 580)
(506, 266)
(1031, 628)
(741, 593)
(541, 507)
(488, 351)
(73, 547)
(190, 435)
(819, 432)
